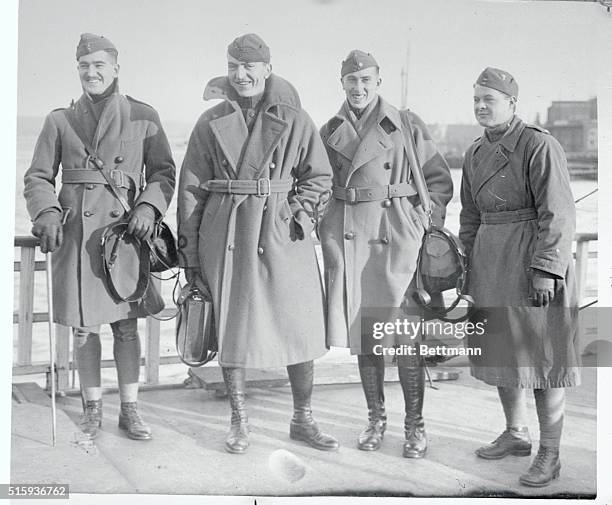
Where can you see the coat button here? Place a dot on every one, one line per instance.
(87, 213)
(260, 250)
(386, 203)
(272, 165)
(349, 235)
(115, 213)
(384, 240)
(265, 208)
(251, 114)
(119, 159)
(230, 247)
(224, 163)
(90, 186)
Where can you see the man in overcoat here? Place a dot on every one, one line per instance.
(252, 177)
(517, 224)
(372, 231)
(128, 137)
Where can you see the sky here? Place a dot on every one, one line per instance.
(168, 50)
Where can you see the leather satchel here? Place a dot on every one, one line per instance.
(442, 262)
(196, 342)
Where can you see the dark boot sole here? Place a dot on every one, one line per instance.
(541, 484)
(518, 452)
(414, 455)
(306, 440)
(134, 437)
(368, 448)
(231, 450)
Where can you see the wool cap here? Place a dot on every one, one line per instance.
(498, 79)
(90, 43)
(249, 48)
(357, 60)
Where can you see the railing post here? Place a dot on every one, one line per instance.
(26, 306)
(582, 259)
(152, 333)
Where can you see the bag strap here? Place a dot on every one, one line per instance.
(417, 171)
(95, 159)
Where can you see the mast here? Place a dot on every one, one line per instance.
(404, 78)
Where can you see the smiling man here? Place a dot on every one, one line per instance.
(371, 235)
(517, 224)
(253, 175)
(128, 138)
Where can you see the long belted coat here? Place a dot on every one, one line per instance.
(370, 249)
(517, 215)
(128, 137)
(264, 279)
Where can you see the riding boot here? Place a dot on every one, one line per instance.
(237, 440)
(412, 379)
(303, 427)
(372, 380)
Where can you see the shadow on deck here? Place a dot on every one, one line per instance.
(186, 455)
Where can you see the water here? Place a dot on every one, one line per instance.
(178, 134)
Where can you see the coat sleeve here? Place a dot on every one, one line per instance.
(160, 171)
(469, 217)
(39, 180)
(313, 178)
(195, 171)
(435, 169)
(554, 202)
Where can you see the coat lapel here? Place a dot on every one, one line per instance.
(496, 159)
(344, 139)
(113, 120)
(264, 138)
(231, 133)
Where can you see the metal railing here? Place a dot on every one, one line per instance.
(25, 317)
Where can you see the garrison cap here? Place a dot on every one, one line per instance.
(90, 43)
(498, 79)
(357, 60)
(249, 48)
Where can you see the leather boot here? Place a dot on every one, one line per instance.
(412, 380)
(237, 440)
(372, 380)
(91, 418)
(545, 467)
(303, 427)
(512, 441)
(130, 420)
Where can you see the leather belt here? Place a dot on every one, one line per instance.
(89, 176)
(373, 193)
(258, 187)
(509, 216)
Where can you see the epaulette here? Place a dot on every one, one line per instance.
(477, 139)
(537, 127)
(71, 106)
(131, 99)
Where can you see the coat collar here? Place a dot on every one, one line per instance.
(510, 139)
(345, 140)
(247, 154)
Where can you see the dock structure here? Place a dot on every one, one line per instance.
(190, 419)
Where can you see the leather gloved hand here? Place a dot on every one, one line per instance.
(142, 221)
(48, 228)
(542, 291)
(195, 278)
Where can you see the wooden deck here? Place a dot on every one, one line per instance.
(186, 455)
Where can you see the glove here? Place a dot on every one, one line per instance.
(542, 291)
(48, 228)
(195, 278)
(142, 221)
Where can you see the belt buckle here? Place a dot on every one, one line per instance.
(117, 177)
(351, 195)
(261, 187)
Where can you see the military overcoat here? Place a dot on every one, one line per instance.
(128, 138)
(517, 215)
(370, 249)
(256, 251)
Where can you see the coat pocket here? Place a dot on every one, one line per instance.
(283, 220)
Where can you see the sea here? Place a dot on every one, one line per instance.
(178, 133)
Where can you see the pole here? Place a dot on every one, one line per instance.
(48, 269)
